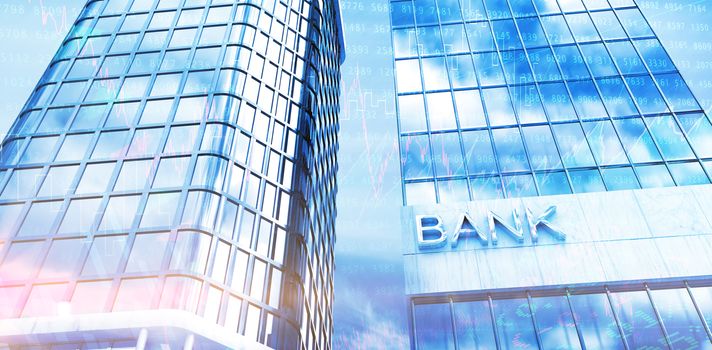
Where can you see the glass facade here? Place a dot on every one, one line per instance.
(641, 318)
(180, 154)
(516, 98)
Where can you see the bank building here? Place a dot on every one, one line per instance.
(556, 178)
(170, 183)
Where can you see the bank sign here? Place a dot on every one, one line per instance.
(434, 233)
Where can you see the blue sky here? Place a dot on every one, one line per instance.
(370, 307)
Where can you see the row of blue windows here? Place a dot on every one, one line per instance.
(563, 63)
(647, 319)
(535, 32)
(549, 102)
(537, 148)
(460, 189)
(426, 12)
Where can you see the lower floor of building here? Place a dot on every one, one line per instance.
(631, 315)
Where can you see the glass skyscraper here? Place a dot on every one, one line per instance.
(170, 183)
(509, 107)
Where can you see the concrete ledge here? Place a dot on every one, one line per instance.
(168, 326)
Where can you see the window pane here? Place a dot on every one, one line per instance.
(527, 104)
(110, 145)
(698, 129)
(555, 322)
(553, 184)
(20, 260)
(688, 174)
(487, 188)
(420, 193)
(473, 325)
(181, 293)
(637, 140)
(625, 56)
(136, 294)
(499, 107)
(62, 258)
(669, 137)
(22, 184)
(584, 181)
(80, 216)
(571, 62)
(639, 322)
(156, 111)
(122, 114)
(90, 297)
(88, 117)
(191, 252)
(453, 191)
(104, 256)
(620, 179)
(435, 74)
(415, 157)
(40, 219)
(147, 252)
(469, 109)
(39, 150)
(96, 178)
(604, 142)
(462, 72)
(542, 150)
(596, 322)
(515, 325)
(402, 13)
(56, 119)
(510, 150)
(119, 213)
(133, 175)
(58, 181)
(531, 31)
(480, 156)
(44, 300)
(171, 172)
(677, 92)
(646, 94)
(74, 147)
(519, 186)
(412, 113)
(160, 209)
(489, 69)
(441, 111)
(447, 154)
(480, 36)
(544, 65)
(408, 74)
(680, 319)
(8, 218)
(616, 97)
(557, 102)
(586, 99)
(433, 326)
(654, 176)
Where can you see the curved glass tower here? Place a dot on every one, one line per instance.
(171, 180)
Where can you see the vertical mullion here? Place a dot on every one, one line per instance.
(533, 319)
(494, 321)
(699, 311)
(573, 317)
(658, 317)
(615, 317)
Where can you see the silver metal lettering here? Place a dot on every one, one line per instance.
(517, 232)
(543, 220)
(461, 229)
(427, 226)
